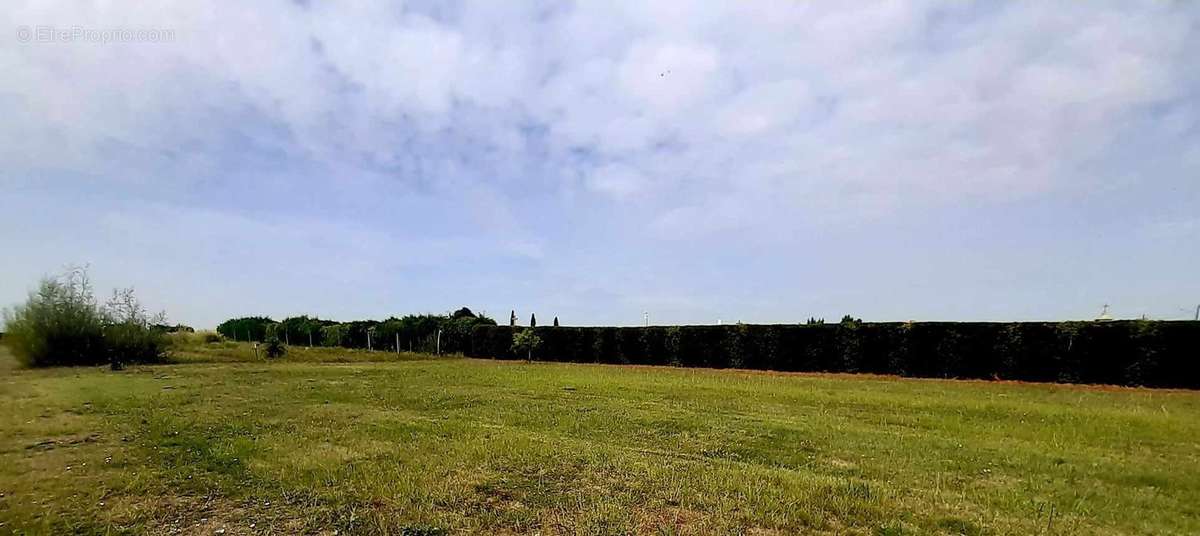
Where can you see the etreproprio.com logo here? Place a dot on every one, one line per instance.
(84, 34)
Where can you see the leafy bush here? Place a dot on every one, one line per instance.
(58, 325)
(129, 333)
(210, 337)
(61, 324)
(273, 347)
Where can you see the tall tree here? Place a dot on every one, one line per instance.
(532, 320)
(555, 321)
(512, 319)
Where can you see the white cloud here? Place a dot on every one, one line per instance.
(668, 78)
(699, 121)
(617, 180)
(1009, 96)
(764, 108)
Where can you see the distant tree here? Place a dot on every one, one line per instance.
(532, 320)
(333, 334)
(251, 328)
(512, 318)
(304, 329)
(813, 321)
(465, 312)
(482, 319)
(555, 321)
(850, 320)
(526, 341)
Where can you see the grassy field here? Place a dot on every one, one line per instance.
(223, 444)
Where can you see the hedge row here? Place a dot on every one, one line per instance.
(419, 333)
(1148, 353)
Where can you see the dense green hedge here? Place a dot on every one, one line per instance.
(1150, 353)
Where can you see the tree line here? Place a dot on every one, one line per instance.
(449, 333)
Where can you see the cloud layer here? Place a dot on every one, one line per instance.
(595, 160)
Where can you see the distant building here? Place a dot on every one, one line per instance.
(1104, 316)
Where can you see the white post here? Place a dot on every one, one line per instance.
(368, 340)
(397, 343)
(439, 342)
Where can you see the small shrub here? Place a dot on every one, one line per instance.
(273, 347)
(58, 325)
(525, 342)
(209, 337)
(129, 334)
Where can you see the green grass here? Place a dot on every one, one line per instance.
(234, 352)
(420, 446)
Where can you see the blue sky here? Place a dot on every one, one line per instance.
(759, 162)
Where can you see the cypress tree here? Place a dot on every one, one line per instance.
(532, 320)
(512, 319)
(556, 321)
